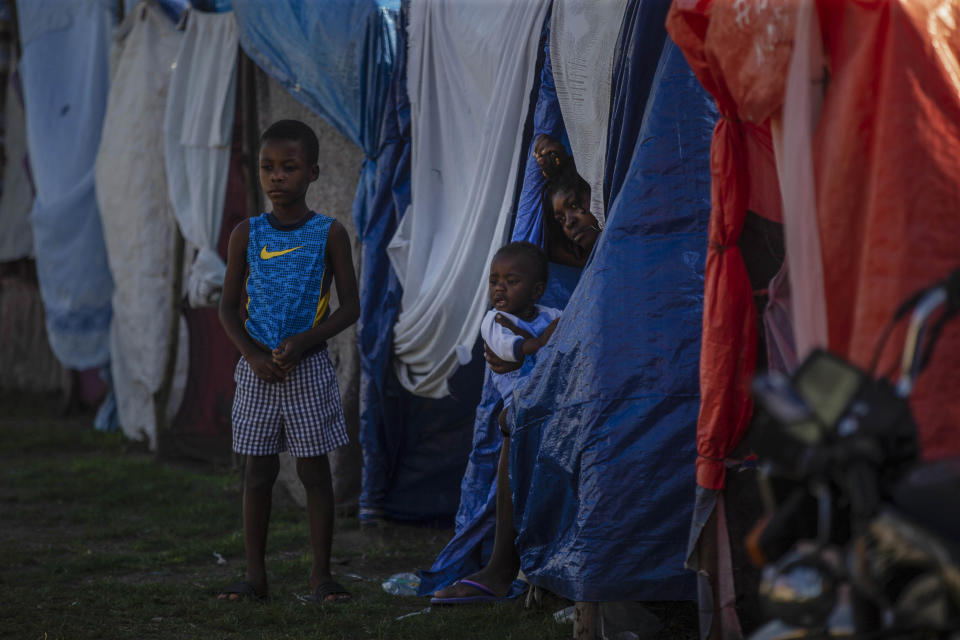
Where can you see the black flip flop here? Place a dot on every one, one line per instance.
(243, 589)
(330, 588)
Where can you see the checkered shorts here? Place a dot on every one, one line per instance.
(302, 413)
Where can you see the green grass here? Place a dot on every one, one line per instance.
(99, 540)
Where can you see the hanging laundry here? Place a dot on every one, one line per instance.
(198, 128)
(65, 75)
(138, 223)
(470, 71)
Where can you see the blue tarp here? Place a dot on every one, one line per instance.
(605, 427)
(528, 224)
(175, 8)
(65, 74)
(472, 542)
(336, 57)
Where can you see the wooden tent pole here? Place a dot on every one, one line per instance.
(162, 396)
(585, 620)
(251, 132)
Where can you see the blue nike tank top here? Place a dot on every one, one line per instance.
(288, 289)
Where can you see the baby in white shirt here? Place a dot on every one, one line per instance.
(517, 326)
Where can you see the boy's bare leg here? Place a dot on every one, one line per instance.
(259, 474)
(314, 473)
(504, 563)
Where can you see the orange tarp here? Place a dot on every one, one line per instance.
(887, 167)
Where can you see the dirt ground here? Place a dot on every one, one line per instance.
(100, 540)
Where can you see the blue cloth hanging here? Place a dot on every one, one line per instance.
(64, 71)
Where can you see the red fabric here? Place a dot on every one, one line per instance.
(887, 165)
(735, 52)
(764, 199)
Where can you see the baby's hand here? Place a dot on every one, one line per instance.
(507, 323)
(496, 364)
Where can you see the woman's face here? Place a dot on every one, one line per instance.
(577, 223)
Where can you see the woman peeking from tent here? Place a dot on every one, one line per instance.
(561, 177)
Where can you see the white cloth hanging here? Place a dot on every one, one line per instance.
(793, 146)
(583, 41)
(138, 223)
(469, 74)
(198, 129)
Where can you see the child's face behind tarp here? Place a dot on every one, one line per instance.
(513, 286)
(284, 171)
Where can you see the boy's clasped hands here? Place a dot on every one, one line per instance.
(276, 365)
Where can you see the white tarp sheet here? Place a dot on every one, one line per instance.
(138, 223)
(16, 239)
(198, 129)
(583, 41)
(469, 74)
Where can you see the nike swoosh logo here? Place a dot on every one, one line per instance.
(266, 255)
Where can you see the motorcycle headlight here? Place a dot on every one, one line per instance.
(800, 589)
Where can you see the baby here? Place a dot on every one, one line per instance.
(517, 326)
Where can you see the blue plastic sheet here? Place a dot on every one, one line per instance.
(336, 57)
(604, 429)
(174, 8)
(547, 119)
(641, 40)
(65, 74)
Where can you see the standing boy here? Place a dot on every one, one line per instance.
(287, 395)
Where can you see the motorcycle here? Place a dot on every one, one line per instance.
(860, 540)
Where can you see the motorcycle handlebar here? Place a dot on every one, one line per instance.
(945, 293)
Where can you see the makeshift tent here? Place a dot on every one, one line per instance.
(469, 75)
(64, 70)
(138, 224)
(601, 467)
